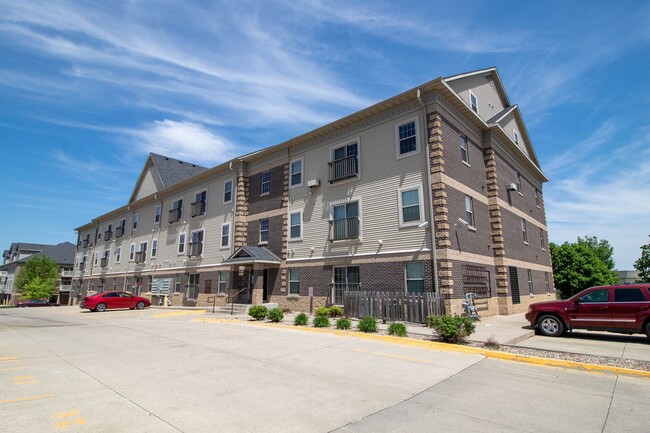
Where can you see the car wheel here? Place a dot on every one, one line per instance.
(550, 326)
(647, 329)
(100, 307)
(140, 305)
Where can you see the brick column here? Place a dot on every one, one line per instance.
(440, 210)
(496, 226)
(241, 211)
(285, 231)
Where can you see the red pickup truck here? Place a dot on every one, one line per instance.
(623, 308)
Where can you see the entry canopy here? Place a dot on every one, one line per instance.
(248, 255)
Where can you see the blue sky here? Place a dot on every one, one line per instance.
(87, 89)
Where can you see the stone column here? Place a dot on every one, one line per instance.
(241, 211)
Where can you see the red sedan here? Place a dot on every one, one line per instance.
(108, 300)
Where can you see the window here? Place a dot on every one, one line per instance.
(154, 248)
(515, 137)
(530, 281)
(295, 173)
(181, 243)
(120, 229)
(294, 282)
(132, 252)
(519, 182)
(136, 217)
(141, 255)
(407, 139)
(547, 281)
(177, 283)
(345, 222)
(266, 182)
(524, 232)
(176, 212)
(537, 198)
(346, 279)
(295, 226)
(541, 239)
(198, 207)
(628, 295)
(222, 282)
(473, 102)
(469, 210)
(410, 208)
(345, 162)
(464, 150)
(118, 254)
(196, 246)
(157, 217)
(105, 260)
(264, 230)
(414, 277)
(227, 191)
(193, 286)
(108, 234)
(601, 295)
(225, 235)
(96, 258)
(100, 230)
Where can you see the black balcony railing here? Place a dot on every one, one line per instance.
(108, 235)
(119, 232)
(195, 249)
(346, 228)
(344, 168)
(85, 243)
(82, 266)
(103, 262)
(198, 208)
(174, 215)
(140, 256)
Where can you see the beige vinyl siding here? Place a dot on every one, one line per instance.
(381, 175)
(509, 123)
(489, 101)
(149, 185)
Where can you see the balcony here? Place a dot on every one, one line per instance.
(108, 234)
(65, 288)
(344, 168)
(85, 243)
(82, 266)
(174, 215)
(198, 208)
(119, 232)
(140, 256)
(343, 229)
(67, 273)
(195, 249)
(103, 262)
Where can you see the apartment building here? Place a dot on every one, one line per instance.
(435, 189)
(18, 254)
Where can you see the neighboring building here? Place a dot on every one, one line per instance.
(628, 277)
(18, 254)
(435, 189)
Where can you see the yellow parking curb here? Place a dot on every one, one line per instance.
(434, 345)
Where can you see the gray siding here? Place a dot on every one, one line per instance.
(489, 102)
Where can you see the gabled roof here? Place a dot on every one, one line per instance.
(247, 255)
(495, 76)
(169, 171)
(62, 253)
(500, 115)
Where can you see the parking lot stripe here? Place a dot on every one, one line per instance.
(8, 359)
(179, 313)
(33, 397)
(13, 368)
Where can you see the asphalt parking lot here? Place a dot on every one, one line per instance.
(185, 371)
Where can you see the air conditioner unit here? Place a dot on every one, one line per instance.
(313, 183)
(512, 187)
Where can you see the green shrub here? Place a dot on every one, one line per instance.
(276, 315)
(397, 329)
(343, 323)
(336, 311)
(452, 329)
(301, 320)
(429, 321)
(321, 322)
(368, 324)
(323, 311)
(258, 312)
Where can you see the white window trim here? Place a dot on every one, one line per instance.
(471, 200)
(171, 207)
(301, 226)
(302, 172)
(197, 192)
(232, 190)
(132, 256)
(470, 101)
(140, 246)
(289, 294)
(406, 279)
(356, 140)
(96, 259)
(203, 241)
(100, 233)
(266, 242)
(118, 254)
(519, 184)
(530, 282)
(537, 198)
(153, 255)
(418, 146)
(221, 246)
(516, 137)
(399, 206)
(262, 182)
(343, 202)
(178, 244)
(136, 221)
(524, 231)
(466, 139)
(158, 208)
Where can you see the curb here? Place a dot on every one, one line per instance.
(434, 345)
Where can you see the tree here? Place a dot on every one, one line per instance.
(37, 279)
(578, 266)
(643, 265)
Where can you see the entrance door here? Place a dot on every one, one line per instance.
(265, 285)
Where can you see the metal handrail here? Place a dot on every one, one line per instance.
(231, 297)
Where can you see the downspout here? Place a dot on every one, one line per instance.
(432, 224)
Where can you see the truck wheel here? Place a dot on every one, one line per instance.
(550, 326)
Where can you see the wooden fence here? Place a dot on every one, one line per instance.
(393, 306)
